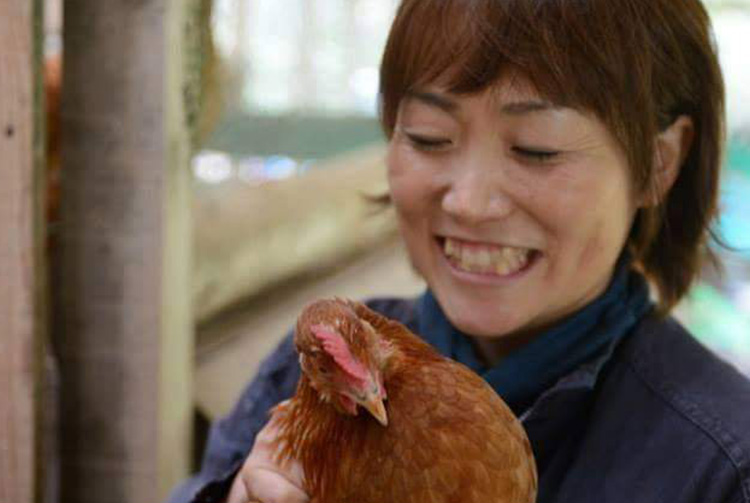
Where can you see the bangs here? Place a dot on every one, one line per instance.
(466, 46)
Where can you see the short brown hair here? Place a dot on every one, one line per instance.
(636, 64)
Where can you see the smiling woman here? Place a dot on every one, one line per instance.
(615, 63)
(552, 164)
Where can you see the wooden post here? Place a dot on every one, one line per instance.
(124, 299)
(21, 253)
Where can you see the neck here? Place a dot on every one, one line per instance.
(493, 349)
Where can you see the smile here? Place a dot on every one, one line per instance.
(480, 258)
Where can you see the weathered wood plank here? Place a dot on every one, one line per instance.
(21, 267)
(126, 331)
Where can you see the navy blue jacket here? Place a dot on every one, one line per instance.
(656, 418)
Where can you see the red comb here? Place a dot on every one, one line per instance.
(336, 346)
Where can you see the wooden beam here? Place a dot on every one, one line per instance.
(124, 304)
(21, 248)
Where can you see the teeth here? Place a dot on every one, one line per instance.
(486, 259)
(503, 268)
(483, 258)
(450, 248)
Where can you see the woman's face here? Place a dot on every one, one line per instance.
(513, 210)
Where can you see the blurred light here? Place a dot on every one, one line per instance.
(731, 27)
(364, 84)
(734, 222)
(375, 14)
(250, 170)
(303, 55)
(224, 25)
(306, 165)
(211, 166)
(278, 167)
(258, 170)
(743, 298)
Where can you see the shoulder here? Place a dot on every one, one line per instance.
(690, 378)
(695, 403)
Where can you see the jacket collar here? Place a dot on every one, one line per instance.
(567, 357)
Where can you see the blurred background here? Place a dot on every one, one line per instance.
(288, 142)
(301, 83)
(285, 143)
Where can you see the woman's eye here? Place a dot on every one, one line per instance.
(536, 155)
(427, 143)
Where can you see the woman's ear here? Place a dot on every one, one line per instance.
(670, 150)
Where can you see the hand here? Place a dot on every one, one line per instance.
(261, 480)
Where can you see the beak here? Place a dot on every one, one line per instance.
(374, 405)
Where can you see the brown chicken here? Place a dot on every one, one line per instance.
(435, 432)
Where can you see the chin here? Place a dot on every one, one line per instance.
(495, 324)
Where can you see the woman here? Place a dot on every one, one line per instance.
(548, 162)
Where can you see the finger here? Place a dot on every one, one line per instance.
(238, 493)
(290, 471)
(271, 487)
(278, 411)
(264, 456)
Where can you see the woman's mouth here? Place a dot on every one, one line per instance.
(486, 259)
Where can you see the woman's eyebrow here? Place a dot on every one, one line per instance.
(436, 100)
(450, 106)
(527, 107)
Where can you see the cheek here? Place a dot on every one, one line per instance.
(594, 244)
(409, 184)
(603, 224)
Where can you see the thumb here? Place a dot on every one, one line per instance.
(238, 492)
(269, 486)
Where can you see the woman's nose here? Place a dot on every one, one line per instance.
(474, 197)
